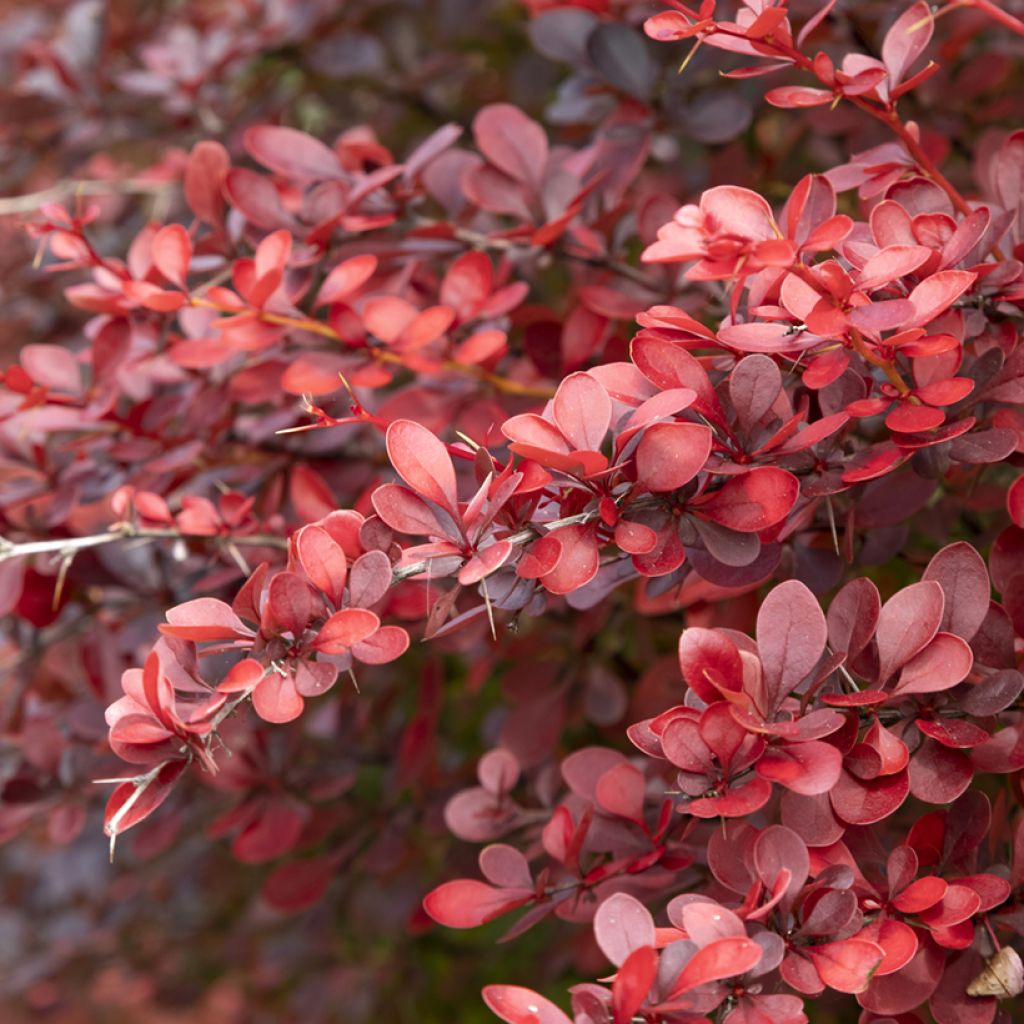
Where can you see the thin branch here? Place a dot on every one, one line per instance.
(69, 546)
(31, 201)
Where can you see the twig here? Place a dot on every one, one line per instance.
(31, 201)
(69, 546)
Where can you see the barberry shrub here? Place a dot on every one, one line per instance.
(630, 490)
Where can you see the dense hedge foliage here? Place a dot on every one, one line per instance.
(554, 462)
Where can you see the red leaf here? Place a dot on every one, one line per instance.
(906, 624)
(207, 166)
(513, 142)
(516, 1005)
(671, 454)
(936, 294)
(583, 411)
(407, 512)
(467, 284)
(863, 802)
(807, 768)
(752, 501)
(152, 795)
(578, 560)
(710, 663)
(907, 40)
(1015, 501)
(387, 644)
(466, 903)
(276, 700)
(620, 791)
(346, 279)
(323, 561)
(172, 252)
(725, 958)
(847, 965)
(298, 884)
(622, 925)
(423, 463)
(946, 661)
(791, 636)
(633, 982)
(345, 629)
(787, 96)
(205, 618)
(291, 153)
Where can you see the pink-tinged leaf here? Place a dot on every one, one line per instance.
(620, 791)
(909, 419)
(516, 1005)
(154, 298)
(242, 676)
(346, 279)
(119, 816)
(387, 316)
(945, 392)
(511, 141)
(171, 250)
(205, 618)
(852, 617)
(669, 26)
(734, 802)
(671, 454)
(958, 903)
(485, 561)
(622, 925)
(939, 774)
(738, 211)
(583, 411)
(505, 866)
(291, 605)
(1015, 501)
(863, 802)
(846, 965)
(276, 700)
(55, 368)
(298, 884)
(710, 663)
(907, 40)
(906, 624)
(208, 163)
(345, 629)
(578, 560)
(290, 153)
(256, 198)
(902, 992)
(466, 903)
(313, 373)
(764, 337)
(272, 833)
(539, 558)
(946, 661)
(807, 768)
(423, 463)
(791, 637)
(921, 894)
(892, 263)
(752, 501)
(407, 512)
(632, 983)
(708, 922)
(323, 561)
(467, 284)
(386, 645)
(725, 958)
(790, 96)
(936, 294)
(963, 576)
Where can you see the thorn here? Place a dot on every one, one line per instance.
(689, 56)
(490, 609)
(832, 522)
(355, 682)
(472, 444)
